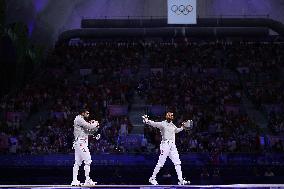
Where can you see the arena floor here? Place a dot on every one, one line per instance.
(233, 186)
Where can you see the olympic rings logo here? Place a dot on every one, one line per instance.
(182, 9)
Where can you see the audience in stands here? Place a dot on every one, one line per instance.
(192, 79)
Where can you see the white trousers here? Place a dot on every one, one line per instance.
(82, 152)
(168, 149)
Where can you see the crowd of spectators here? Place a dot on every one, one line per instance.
(62, 90)
(260, 67)
(276, 123)
(189, 81)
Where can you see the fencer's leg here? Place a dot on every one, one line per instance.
(162, 159)
(179, 172)
(87, 169)
(75, 181)
(156, 170)
(88, 181)
(76, 170)
(152, 179)
(174, 156)
(164, 148)
(88, 160)
(77, 164)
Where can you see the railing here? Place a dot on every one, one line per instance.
(198, 16)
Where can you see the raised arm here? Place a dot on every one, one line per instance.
(185, 125)
(151, 123)
(155, 124)
(177, 130)
(86, 125)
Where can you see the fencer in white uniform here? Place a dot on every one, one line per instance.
(82, 129)
(167, 146)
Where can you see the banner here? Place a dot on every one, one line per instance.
(182, 12)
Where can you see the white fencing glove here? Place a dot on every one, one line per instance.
(95, 123)
(98, 136)
(188, 124)
(145, 119)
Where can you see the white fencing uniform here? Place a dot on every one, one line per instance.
(81, 131)
(168, 146)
